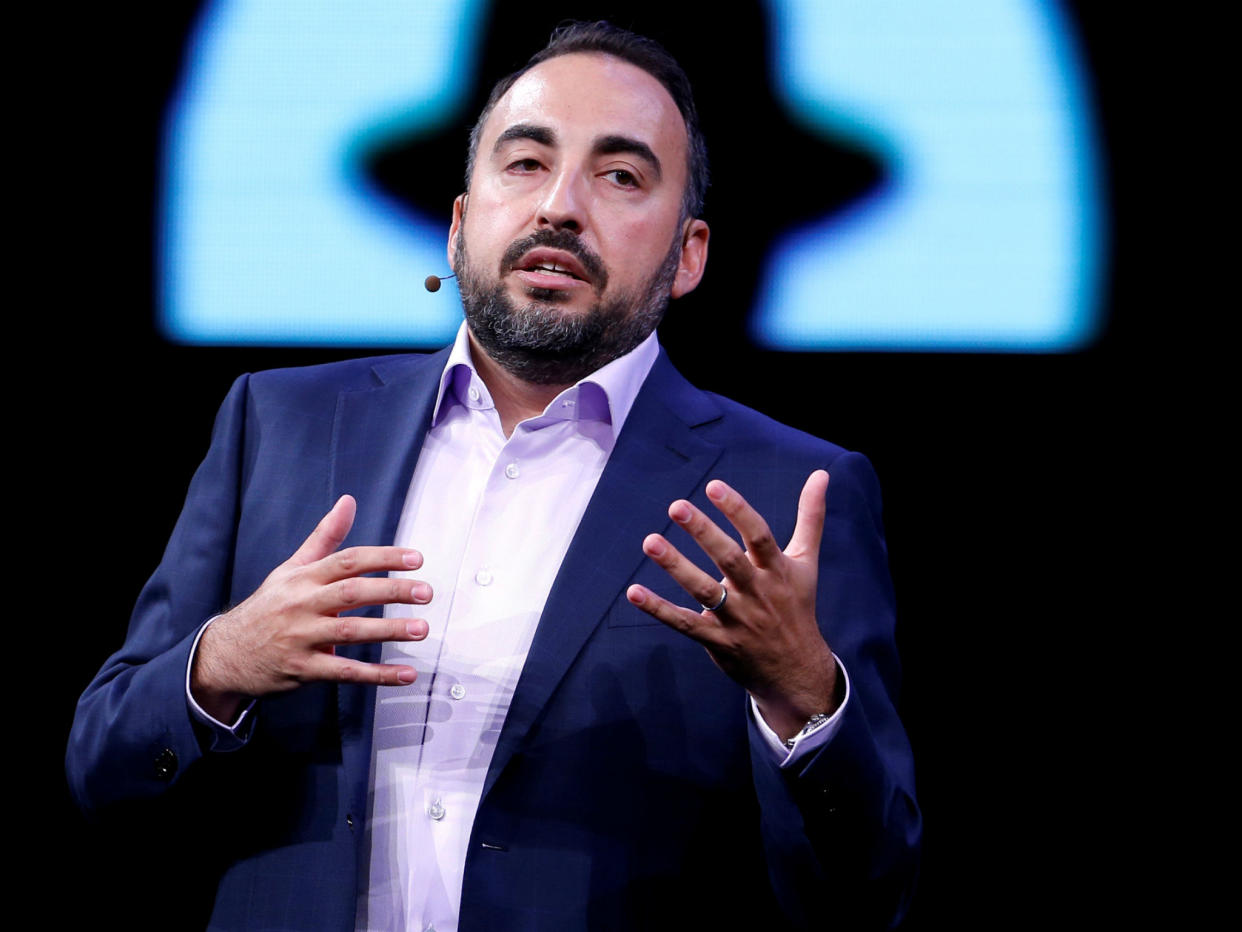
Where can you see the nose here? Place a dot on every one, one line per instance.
(563, 204)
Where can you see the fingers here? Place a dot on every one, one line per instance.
(703, 588)
(736, 564)
(286, 631)
(723, 550)
(741, 568)
(763, 635)
(329, 667)
(695, 625)
(320, 549)
(756, 534)
(761, 547)
(357, 561)
(354, 630)
(326, 665)
(357, 591)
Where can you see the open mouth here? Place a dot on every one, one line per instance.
(548, 266)
(552, 268)
(554, 260)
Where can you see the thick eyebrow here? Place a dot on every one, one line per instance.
(540, 134)
(614, 145)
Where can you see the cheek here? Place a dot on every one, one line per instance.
(477, 234)
(493, 222)
(640, 247)
(502, 199)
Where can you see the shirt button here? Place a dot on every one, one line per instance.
(567, 403)
(512, 471)
(436, 810)
(483, 577)
(473, 393)
(458, 691)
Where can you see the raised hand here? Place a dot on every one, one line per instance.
(758, 622)
(285, 634)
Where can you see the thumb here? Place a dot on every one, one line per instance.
(328, 534)
(812, 506)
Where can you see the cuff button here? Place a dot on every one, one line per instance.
(165, 764)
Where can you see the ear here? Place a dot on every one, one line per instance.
(693, 258)
(459, 211)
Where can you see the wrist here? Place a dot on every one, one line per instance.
(789, 714)
(222, 704)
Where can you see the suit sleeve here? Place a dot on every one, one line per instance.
(133, 735)
(842, 828)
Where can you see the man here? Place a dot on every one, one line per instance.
(545, 746)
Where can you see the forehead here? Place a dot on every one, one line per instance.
(584, 96)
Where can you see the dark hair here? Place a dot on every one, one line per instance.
(644, 53)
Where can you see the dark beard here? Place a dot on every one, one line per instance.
(539, 343)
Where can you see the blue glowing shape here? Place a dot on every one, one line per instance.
(269, 235)
(988, 235)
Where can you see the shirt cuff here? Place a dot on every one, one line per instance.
(805, 743)
(223, 737)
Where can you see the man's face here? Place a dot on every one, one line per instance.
(571, 239)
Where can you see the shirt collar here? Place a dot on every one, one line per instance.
(605, 395)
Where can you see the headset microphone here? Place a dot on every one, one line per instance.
(432, 282)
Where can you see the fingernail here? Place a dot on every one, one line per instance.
(655, 547)
(715, 491)
(636, 595)
(415, 629)
(412, 559)
(421, 593)
(405, 676)
(680, 512)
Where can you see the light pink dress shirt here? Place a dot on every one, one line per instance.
(493, 518)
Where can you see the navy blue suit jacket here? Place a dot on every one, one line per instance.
(626, 789)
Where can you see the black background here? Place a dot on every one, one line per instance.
(1007, 484)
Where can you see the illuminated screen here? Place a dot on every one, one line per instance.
(985, 234)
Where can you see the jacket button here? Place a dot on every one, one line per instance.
(165, 764)
(349, 820)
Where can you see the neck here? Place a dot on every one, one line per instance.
(515, 399)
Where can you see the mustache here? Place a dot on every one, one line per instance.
(592, 264)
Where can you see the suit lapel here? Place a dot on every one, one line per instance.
(657, 459)
(376, 439)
